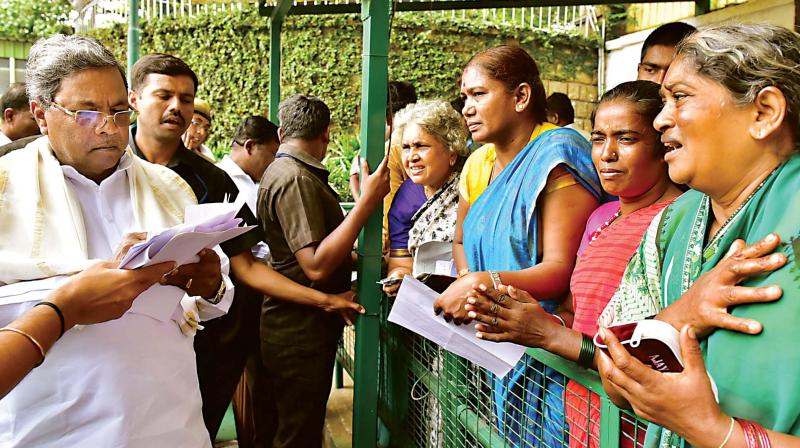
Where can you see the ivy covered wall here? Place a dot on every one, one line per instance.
(322, 56)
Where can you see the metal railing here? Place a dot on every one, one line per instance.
(102, 13)
(429, 397)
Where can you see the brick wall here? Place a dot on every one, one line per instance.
(583, 93)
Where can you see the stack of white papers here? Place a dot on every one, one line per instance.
(413, 309)
(206, 226)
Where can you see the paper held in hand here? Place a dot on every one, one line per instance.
(206, 226)
(413, 309)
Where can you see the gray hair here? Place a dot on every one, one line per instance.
(57, 57)
(303, 116)
(746, 58)
(437, 118)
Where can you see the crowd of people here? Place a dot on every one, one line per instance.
(681, 206)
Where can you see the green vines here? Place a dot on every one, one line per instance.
(322, 56)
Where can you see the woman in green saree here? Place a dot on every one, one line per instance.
(730, 122)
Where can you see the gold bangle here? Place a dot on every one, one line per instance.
(463, 272)
(28, 337)
(730, 431)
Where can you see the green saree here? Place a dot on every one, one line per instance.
(758, 376)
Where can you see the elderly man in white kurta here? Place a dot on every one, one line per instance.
(71, 197)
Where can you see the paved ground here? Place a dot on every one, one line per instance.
(338, 421)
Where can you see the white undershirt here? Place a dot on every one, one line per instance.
(4, 140)
(106, 217)
(248, 191)
(128, 383)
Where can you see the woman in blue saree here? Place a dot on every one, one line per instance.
(524, 200)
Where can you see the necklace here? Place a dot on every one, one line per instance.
(711, 247)
(606, 224)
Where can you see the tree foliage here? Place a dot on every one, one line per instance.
(322, 56)
(32, 19)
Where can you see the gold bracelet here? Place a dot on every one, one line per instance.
(463, 272)
(30, 338)
(730, 431)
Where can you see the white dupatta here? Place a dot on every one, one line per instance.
(42, 232)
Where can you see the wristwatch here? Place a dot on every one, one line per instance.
(220, 293)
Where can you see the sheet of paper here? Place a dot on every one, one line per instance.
(214, 212)
(159, 301)
(206, 226)
(183, 248)
(34, 290)
(203, 218)
(413, 309)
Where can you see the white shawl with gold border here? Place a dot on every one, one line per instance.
(42, 232)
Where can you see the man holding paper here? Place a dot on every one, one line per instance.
(163, 89)
(66, 199)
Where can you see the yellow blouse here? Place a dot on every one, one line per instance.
(477, 170)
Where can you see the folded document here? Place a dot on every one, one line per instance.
(207, 225)
(413, 309)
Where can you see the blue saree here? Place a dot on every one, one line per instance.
(501, 233)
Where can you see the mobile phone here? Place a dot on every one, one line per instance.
(653, 342)
(389, 281)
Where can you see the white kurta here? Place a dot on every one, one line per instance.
(248, 191)
(129, 383)
(4, 140)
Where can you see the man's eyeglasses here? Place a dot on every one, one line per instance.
(198, 125)
(96, 120)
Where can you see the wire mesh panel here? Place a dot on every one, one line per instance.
(345, 355)
(446, 401)
(632, 431)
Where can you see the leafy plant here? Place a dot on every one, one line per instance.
(32, 19)
(341, 152)
(322, 56)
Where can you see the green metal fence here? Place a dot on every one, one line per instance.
(428, 397)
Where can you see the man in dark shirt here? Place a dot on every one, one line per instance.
(16, 120)
(310, 241)
(658, 50)
(162, 92)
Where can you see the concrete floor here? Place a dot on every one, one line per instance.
(339, 418)
(338, 429)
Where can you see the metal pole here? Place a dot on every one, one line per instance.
(274, 68)
(375, 16)
(134, 35)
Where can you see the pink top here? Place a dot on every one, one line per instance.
(596, 220)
